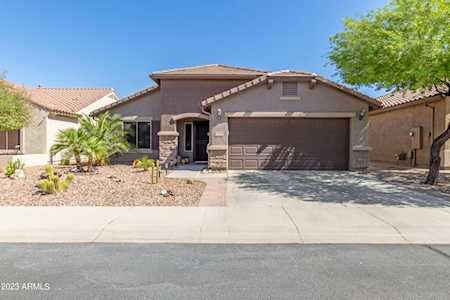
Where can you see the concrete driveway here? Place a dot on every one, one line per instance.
(297, 188)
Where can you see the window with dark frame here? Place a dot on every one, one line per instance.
(10, 140)
(138, 134)
(144, 134)
(187, 136)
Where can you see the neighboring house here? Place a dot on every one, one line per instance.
(52, 110)
(241, 118)
(404, 127)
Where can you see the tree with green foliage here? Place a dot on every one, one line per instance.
(14, 108)
(402, 46)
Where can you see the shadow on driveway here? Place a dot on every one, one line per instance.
(338, 187)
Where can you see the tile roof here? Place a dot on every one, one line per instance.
(402, 97)
(210, 70)
(127, 99)
(66, 100)
(287, 74)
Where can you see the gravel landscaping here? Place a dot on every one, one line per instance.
(116, 185)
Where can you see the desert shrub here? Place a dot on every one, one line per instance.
(53, 184)
(13, 166)
(144, 163)
(65, 161)
(136, 163)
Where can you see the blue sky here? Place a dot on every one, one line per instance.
(118, 43)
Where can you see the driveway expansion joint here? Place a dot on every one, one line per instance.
(387, 223)
(297, 228)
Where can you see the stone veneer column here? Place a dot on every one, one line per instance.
(168, 147)
(360, 158)
(217, 157)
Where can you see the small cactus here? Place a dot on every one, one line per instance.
(53, 184)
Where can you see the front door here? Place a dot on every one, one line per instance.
(201, 129)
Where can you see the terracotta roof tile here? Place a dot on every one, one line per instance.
(66, 100)
(402, 97)
(214, 69)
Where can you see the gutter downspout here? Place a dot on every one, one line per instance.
(204, 111)
(433, 119)
(433, 110)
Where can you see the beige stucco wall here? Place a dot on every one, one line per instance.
(146, 106)
(185, 96)
(321, 101)
(389, 131)
(34, 135)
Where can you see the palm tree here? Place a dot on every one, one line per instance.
(93, 148)
(71, 142)
(108, 129)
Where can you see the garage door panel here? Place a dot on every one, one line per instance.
(237, 150)
(288, 143)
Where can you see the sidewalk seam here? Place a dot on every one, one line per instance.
(103, 229)
(387, 223)
(297, 228)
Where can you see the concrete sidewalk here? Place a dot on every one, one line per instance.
(309, 223)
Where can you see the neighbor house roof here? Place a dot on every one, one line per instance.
(399, 98)
(146, 91)
(287, 74)
(66, 100)
(211, 71)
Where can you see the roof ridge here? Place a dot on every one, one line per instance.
(73, 88)
(184, 68)
(206, 65)
(291, 71)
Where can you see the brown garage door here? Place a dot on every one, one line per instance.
(288, 143)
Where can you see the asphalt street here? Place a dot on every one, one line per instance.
(189, 271)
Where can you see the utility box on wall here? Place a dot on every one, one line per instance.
(416, 137)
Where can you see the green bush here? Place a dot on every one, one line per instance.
(145, 163)
(65, 161)
(13, 166)
(53, 184)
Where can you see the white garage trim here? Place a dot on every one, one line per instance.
(291, 114)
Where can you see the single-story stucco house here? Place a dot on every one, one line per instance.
(404, 126)
(52, 110)
(242, 118)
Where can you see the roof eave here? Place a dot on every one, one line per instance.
(125, 100)
(157, 77)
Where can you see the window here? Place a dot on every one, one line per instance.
(138, 134)
(144, 134)
(290, 89)
(188, 137)
(10, 140)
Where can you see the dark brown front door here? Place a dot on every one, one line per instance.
(201, 129)
(288, 143)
